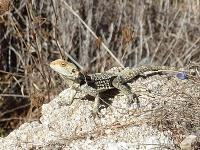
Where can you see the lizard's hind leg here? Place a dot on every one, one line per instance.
(119, 84)
(93, 92)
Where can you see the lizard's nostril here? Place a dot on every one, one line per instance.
(63, 64)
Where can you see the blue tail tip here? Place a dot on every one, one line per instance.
(182, 75)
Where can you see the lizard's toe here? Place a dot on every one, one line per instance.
(96, 114)
(133, 98)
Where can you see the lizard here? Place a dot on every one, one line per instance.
(94, 84)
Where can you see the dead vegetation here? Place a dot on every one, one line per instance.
(141, 32)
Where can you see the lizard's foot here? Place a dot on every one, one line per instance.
(68, 103)
(132, 98)
(71, 97)
(67, 100)
(96, 104)
(96, 114)
(65, 103)
(95, 110)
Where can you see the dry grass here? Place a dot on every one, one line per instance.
(35, 32)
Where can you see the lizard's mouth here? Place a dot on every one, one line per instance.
(71, 77)
(75, 80)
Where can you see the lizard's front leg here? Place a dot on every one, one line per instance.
(121, 85)
(93, 92)
(72, 96)
(69, 99)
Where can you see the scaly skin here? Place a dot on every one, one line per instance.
(93, 84)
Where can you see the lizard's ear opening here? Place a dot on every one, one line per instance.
(73, 67)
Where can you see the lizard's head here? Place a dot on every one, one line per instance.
(65, 68)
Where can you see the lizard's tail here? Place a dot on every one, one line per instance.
(160, 68)
(129, 73)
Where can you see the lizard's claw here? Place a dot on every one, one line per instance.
(96, 114)
(132, 98)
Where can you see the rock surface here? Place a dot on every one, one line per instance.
(119, 126)
(187, 143)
